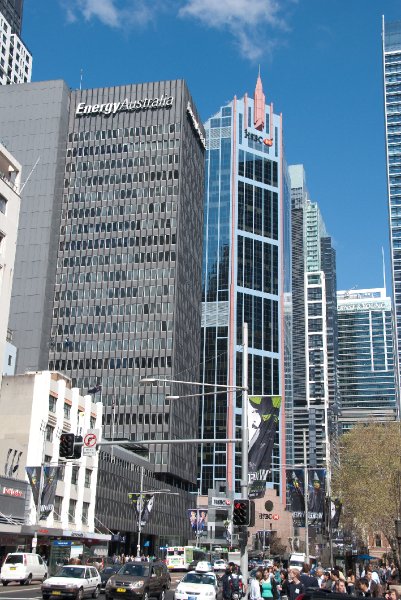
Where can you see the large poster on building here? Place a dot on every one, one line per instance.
(316, 496)
(198, 520)
(46, 488)
(263, 417)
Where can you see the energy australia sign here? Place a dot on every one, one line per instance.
(126, 105)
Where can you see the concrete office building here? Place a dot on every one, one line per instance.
(365, 357)
(315, 390)
(246, 266)
(15, 58)
(391, 37)
(12, 11)
(116, 287)
(10, 180)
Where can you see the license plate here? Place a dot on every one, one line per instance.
(13, 568)
(56, 593)
(191, 597)
(121, 589)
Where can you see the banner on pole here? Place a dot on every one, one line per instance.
(263, 418)
(51, 476)
(147, 506)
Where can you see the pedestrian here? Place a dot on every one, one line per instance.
(306, 579)
(363, 588)
(319, 574)
(295, 586)
(350, 582)
(374, 587)
(284, 587)
(255, 587)
(268, 584)
(340, 587)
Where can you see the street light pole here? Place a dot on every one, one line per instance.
(244, 449)
(138, 546)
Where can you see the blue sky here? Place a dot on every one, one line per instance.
(320, 62)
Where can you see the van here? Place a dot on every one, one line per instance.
(23, 567)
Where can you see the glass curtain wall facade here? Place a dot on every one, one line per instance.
(391, 38)
(244, 243)
(128, 281)
(365, 358)
(315, 393)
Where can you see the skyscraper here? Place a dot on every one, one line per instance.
(365, 357)
(15, 58)
(246, 227)
(12, 12)
(315, 393)
(391, 38)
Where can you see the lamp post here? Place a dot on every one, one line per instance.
(141, 494)
(244, 429)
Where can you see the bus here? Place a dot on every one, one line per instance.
(178, 558)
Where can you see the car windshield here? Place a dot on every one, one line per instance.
(75, 572)
(135, 570)
(198, 578)
(14, 559)
(110, 570)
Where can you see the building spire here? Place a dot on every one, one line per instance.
(259, 104)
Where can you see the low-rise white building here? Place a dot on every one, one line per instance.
(36, 408)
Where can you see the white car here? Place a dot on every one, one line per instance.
(197, 586)
(73, 581)
(23, 567)
(219, 565)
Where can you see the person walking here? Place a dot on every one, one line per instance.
(255, 587)
(268, 585)
(295, 585)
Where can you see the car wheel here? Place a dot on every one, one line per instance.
(80, 594)
(4, 582)
(96, 592)
(27, 581)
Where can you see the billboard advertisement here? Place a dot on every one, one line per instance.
(263, 417)
(316, 496)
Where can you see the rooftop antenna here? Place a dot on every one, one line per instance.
(384, 270)
(80, 80)
(29, 176)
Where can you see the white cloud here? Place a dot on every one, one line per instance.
(117, 14)
(251, 22)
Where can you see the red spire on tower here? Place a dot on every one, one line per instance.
(259, 105)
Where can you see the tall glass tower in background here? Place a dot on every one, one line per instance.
(391, 36)
(246, 270)
(365, 357)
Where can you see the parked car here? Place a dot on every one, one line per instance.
(139, 580)
(23, 567)
(107, 572)
(73, 581)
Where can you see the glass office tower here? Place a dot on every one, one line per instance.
(391, 37)
(246, 257)
(12, 12)
(365, 357)
(315, 390)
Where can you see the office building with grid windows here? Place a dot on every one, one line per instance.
(12, 12)
(15, 58)
(391, 38)
(108, 283)
(314, 339)
(246, 251)
(365, 357)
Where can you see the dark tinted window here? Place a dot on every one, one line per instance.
(135, 570)
(14, 559)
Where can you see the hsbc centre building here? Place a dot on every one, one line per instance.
(120, 264)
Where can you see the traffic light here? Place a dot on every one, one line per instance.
(77, 449)
(244, 512)
(67, 445)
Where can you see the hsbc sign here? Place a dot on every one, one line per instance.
(221, 502)
(269, 516)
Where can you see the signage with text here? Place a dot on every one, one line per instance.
(223, 502)
(9, 491)
(127, 105)
(258, 138)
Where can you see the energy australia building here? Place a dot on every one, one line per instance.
(107, 287)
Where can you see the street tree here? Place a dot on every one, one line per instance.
(368, 480)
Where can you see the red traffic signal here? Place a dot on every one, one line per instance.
(244, 512)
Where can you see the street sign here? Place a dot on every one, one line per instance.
(89, 442)
(221, 502)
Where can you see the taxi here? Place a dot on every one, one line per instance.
(200, 584)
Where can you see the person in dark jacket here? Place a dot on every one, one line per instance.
(295, 586)
(306, 579)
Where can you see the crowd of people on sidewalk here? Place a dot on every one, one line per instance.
(276, 583)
